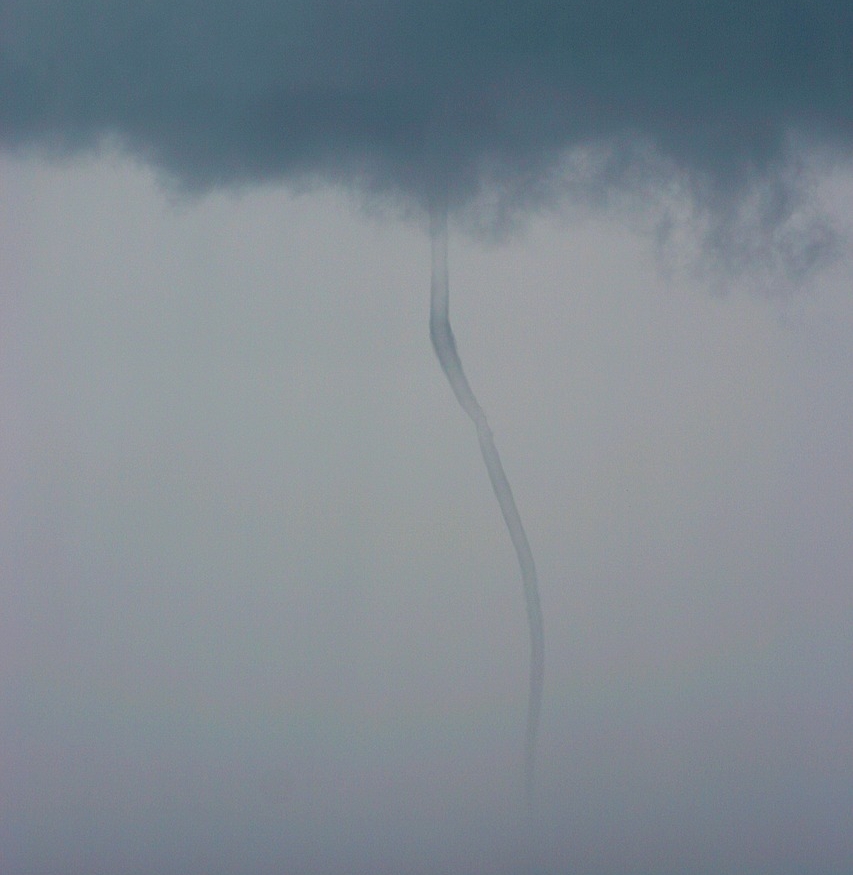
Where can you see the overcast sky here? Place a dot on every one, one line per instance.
(259, 610)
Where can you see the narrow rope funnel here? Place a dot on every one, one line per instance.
(444, 344)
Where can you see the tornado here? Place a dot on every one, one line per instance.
(444, 344)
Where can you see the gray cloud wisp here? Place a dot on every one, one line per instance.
(401, 95)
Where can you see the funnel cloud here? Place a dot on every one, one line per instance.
(444, 344)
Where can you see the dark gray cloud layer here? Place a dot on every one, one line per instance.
(405, 94)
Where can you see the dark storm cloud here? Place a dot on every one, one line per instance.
(404, 94)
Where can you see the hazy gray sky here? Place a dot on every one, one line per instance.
(258, 602)
(260, 614)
